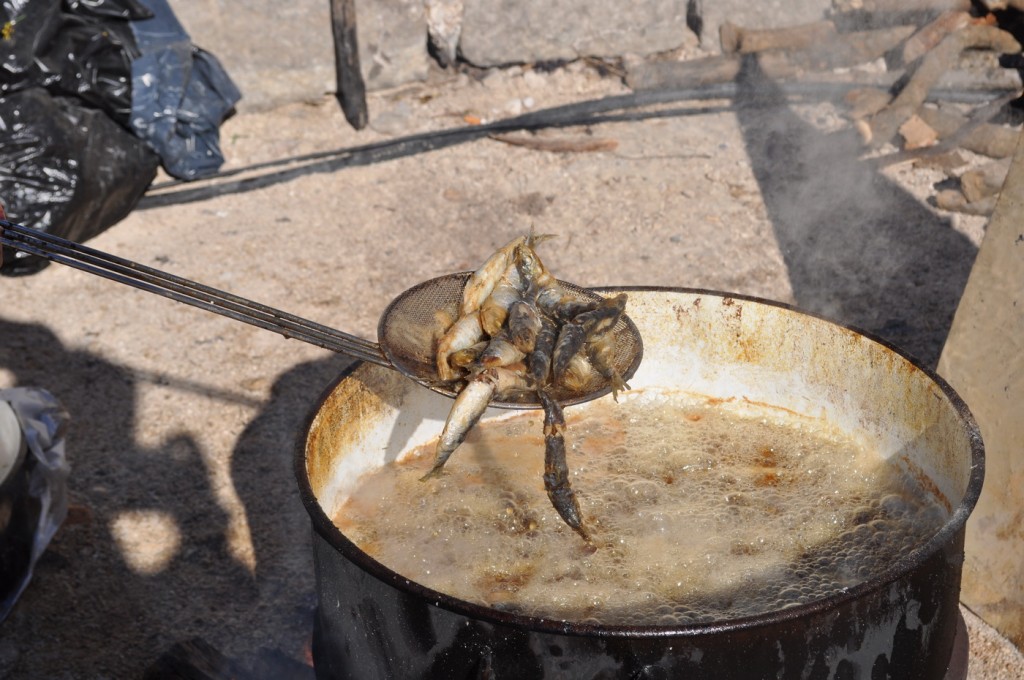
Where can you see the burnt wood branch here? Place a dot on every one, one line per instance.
(691, 73)
(985, 181)
(884, 125)
(946, 162)
(899, 6)
(864, 14)
(557, 144)
(859, 47)
(982, 77)
(351, 88)
(746, 40)
(932, 33)
(988, 139)
(844, 50)
(865, 102)
(954, 201)
(979, 117)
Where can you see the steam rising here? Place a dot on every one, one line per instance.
(859, 249)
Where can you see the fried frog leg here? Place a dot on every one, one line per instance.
(556, 471)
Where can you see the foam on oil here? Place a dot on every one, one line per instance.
(698, 511)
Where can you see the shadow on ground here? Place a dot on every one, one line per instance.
(86, 600)
(264, 451)
(859, 249)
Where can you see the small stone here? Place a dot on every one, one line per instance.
(917, 134)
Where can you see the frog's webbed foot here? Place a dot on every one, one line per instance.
(556, 471)
(618, 385)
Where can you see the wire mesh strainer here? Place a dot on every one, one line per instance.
(410, 325)
(407, 330)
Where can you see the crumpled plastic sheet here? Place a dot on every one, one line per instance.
(129, 58)
(43, 421)
(180, 95)
(112, 9)
(66, 169)
(94, 96)
(75, 48)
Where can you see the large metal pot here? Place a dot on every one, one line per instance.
(373, 623)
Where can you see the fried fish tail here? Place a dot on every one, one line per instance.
(469, 406)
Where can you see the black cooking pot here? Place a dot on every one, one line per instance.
(374, 623)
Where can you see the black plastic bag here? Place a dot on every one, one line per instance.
(180, 95)
(66, 169)
(128, 10)
(28, 27)
(83, 49)
(92, 62)
(77, 78)
(33, 484)
(131, 59)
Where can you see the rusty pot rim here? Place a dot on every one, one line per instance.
(904, 564)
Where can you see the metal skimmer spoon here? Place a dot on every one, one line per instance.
(407, 328)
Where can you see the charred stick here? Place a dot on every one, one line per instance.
(884, 125)
(558, 145)
(947, 161)
(983, 75)
(986, 181)
(692, 73)
(865, 102)
(846, 49)
(860, 47)
(955, 201)
(900, 6)
(746, 40)
(932, 34)
(979, 117)
(863, 14)
(988, 139)
(351, 88)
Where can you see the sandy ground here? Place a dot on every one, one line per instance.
(186, 519)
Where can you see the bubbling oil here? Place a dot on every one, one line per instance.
(699, 511)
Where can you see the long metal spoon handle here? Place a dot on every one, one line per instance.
(152, 280)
